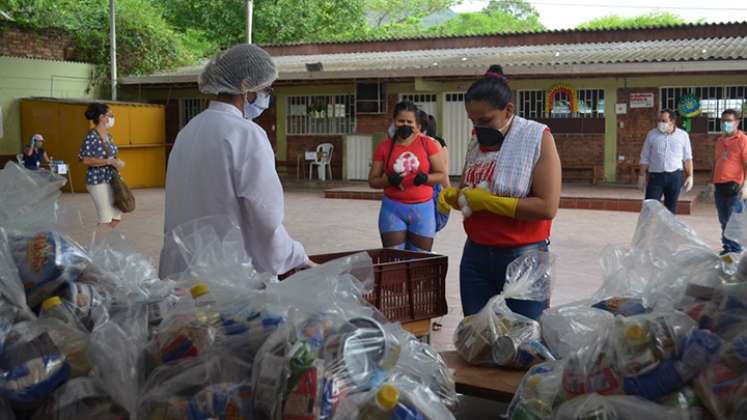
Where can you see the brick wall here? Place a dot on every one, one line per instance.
(376, 123)
(638, 122)
(579, 150)
(48, 44)
(299, 144)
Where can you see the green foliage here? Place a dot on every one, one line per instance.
(221, 22)
(483, 23)
(520, 9)
(145, 41)
(651, 19)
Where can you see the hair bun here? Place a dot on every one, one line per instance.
(89, 114)
(495, 71)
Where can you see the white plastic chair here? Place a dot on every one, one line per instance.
(323, 161)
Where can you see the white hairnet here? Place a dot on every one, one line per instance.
(240, 69)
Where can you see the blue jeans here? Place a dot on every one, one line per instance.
(482, 274)
(668, 184)
(725, 207)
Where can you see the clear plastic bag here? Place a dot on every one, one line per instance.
(117, 352)
(316, 360)
(498, 336)
(211, 386)
(402, 399)
(736, 227)
(43, 338)
(569, 327)
(11, 285)
(45, 261)
(539, 392)
(213, 247)
(618, 407)
(80, 399)
(424, 365)
(723, 385)
(29, 198)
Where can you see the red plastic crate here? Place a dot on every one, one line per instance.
(409, 286)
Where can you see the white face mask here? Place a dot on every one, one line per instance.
(110, 122)
(255, 108)
(664, 127)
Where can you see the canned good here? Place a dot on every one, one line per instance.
(664, 339)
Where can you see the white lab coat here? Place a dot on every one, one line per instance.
(223, 164)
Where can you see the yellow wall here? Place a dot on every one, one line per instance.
(139, 132)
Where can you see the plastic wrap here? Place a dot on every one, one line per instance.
(29, 198)
(46, 338)
(569, 327)
(664, 255)
(34, 379)
(213, 247)
(80, 399)
(214, 386)
(11, 285)
(617, 407)
(116, 350)
(539, 392)
(401, 399)
(45, 261)
(315, 360)
(424, 365)
(723, 385)
(736, 227)
(498, 336)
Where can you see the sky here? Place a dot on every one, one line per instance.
(563, 14)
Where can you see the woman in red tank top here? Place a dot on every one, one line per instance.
(503, 226)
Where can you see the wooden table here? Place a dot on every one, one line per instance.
(497, 384)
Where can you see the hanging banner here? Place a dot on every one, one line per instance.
(641, 100)
(569, 91)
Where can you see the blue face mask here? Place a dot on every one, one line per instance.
(254, 109)
(727, 127)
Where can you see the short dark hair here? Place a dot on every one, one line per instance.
(406, 106)
(95, 111)
(670, 112)
(492, 88)
(732, 112)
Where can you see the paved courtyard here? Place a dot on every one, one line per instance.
(325, 225)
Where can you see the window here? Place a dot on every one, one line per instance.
(333, 114)
(713, 101)
(531, 104)
(419, 98)
(189, 108)
(370, 97)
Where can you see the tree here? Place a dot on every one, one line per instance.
(482, 23)
(651, 19)
(390, 13)
(222, 23)
(145, 41)
(520, 9)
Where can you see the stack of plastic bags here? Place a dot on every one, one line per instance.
(663, 338)
(94, 334)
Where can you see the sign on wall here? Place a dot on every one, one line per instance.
(641, 100)
(621, 108)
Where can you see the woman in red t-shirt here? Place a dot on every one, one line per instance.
(407, 167)
(511, 182)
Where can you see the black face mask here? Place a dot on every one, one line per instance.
(404, 131)
(488, 136)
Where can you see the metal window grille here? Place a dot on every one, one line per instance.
(419, 98)
(713, 101)
(317, 114)
(531, 104)
(454, 97)
(189, 108)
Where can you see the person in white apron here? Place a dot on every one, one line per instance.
(511, 182)
(222, 163)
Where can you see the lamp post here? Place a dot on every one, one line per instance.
(249, 12)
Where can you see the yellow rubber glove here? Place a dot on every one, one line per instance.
(481, 200)
(447, 200)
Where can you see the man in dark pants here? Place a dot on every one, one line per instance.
(730, 166)
(664, 152)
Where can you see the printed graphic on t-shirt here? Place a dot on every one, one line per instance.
(407, 163)
(478, 172)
